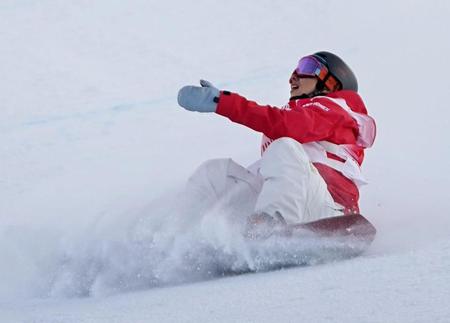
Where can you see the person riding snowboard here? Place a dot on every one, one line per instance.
(312, 147)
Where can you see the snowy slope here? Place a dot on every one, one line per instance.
(361, 290)
(93, 147)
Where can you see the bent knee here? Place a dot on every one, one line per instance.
(212, 168)
(286, 146)
(286, 142)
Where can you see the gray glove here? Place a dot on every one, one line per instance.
(201, 99)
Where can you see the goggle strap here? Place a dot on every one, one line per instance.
(333, 83)
(330, 82)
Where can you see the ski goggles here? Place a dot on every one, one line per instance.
(310, 66)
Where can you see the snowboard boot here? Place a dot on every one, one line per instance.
(261, 226)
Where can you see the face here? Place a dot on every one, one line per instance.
(302, 85)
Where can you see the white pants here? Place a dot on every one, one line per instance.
(286, 182)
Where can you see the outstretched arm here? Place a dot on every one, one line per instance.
(314, 121)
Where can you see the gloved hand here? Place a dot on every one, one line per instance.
(202, 98)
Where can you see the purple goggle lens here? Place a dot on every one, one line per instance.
(309, 66)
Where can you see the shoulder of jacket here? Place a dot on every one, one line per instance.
(351, 99)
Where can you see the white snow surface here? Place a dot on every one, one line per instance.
(94, 153)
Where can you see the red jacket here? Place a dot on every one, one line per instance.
(307, 120)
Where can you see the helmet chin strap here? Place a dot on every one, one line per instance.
(296, 97)
(317, 91)
(307, 96)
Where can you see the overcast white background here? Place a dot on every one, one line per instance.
(91, 139)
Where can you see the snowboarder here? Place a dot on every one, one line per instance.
(311, 152)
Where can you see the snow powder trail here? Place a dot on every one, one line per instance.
(93, 147)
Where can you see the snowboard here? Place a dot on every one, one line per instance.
(350, 234)
(317, 242)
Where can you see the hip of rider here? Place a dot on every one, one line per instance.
(311, 152)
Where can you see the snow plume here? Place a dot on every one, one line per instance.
(157, 246)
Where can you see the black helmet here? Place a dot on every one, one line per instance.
(337, 67)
